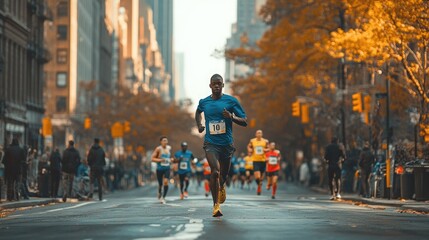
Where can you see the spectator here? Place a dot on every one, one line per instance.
(13, 158)
(69, 165)
(97, 161)
(55, 169)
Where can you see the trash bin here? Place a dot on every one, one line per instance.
(421, 182)
(407, 183)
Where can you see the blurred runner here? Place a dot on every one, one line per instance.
(207, 174)
(162, 157)
(258, 146)
(233, 172)
(249, 168)
(220, 111)
(273, 168)
(242, 169)
(199, 171)
(184, 159)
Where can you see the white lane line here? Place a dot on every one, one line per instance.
(179, 227)
(154, 225)
(192, 209)
(192, 230)
(67, 208)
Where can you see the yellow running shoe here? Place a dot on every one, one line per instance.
(221, 195)
(216, 210)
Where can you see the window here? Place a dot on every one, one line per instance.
(61, 56)
(61, 104)
(61, 79)
(62, 32)
(62, 9)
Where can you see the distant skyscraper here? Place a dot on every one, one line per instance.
(249, 25)
(163, 21)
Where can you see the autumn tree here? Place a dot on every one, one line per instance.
(149, 117)
(393, 33)
(286, 66)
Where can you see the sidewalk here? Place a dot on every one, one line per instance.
(419, 206)
(33, 201)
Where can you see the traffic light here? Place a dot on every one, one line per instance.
(367, 109)
(127, 127)
(357, 102)
(296, 111)
(46, 127)
(305, 118)
(87, 123)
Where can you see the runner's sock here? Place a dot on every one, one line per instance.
(165, 191)
(207, 187)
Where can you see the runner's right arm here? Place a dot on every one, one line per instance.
(155, 156)
(198, 121)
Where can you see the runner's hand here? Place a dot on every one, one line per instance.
(226, 114)
(201, 128)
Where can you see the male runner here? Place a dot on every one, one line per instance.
(220, 111)
(162, 157)
(184, 159)
(273, 168)
(258, 146)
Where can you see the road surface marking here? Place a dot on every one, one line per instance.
(192, 230)
(66, 208)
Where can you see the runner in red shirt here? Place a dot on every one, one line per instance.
(207, 174)
(273, 168)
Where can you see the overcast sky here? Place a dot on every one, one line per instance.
(200, 27)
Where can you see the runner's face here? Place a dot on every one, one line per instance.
(216, 85)
(272, 146)
(258, 134)
(164, 142)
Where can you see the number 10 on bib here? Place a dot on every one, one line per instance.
(217, 127)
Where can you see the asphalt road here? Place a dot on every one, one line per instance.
(297, 213)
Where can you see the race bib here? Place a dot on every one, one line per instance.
(200, 169)
(272, 160)
(259, 150)
(166, 163)
(207, 169)
(236, 167)
(242, 164)
(183, 165)
(217, 127)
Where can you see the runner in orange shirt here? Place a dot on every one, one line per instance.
(273, 168)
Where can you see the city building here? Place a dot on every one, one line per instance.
(81, 45)
(22, 56)
(163, 21)
(249, 29)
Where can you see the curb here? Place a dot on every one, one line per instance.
(370, 201)
(25, 203)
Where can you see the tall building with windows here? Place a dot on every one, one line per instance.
(81, 47)
(22, 56)
(163, 21)
(249, 28)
